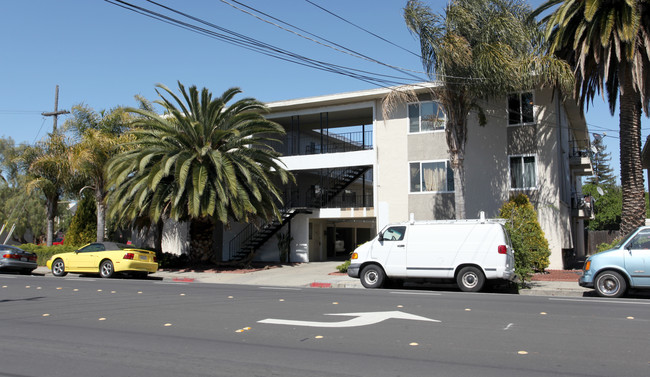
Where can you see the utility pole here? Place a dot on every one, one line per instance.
(56, 111)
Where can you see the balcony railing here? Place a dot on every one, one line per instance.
(580, 148)
(316, 142)
(343, 200)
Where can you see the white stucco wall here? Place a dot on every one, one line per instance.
(391, 170)
(486, 169)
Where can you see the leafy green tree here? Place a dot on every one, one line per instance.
(607, 207)
(19, 209)
(528, 240)
(608, 44)
(479, 49)
(49, 173)
(9, 168)
(602, 187)
(83, 227)
(205, 161)
(101, 135)
(603, 173)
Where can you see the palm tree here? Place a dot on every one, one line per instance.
(608, 44)
(203, 161)
(479, 49)
(49, 172)
(100, 136)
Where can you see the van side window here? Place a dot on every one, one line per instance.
(394, 233)
(641, 240)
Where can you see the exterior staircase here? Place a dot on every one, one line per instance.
(338, 180)
(253, 237)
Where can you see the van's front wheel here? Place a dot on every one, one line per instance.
(470, 279)
(372, 276)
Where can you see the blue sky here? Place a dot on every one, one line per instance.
(102, 55)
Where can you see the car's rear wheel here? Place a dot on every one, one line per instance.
(106, 269)
(372, 276)
(58, 268)
(470, 279)
(610, 284)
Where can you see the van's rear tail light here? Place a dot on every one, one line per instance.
(128, 256)
(503, 249)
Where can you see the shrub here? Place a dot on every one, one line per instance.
(169, 260)
(528, 240)
(344, 267)
(606, 246)
(45, 252)
(83, 227)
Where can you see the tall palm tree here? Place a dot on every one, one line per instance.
(49, 172)
(203, 161)
(476, 50)
(100, 136)
(89, 158)
(608, 44)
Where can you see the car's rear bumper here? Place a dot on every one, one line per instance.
(511, 276)
(16, 265)
(133, 265)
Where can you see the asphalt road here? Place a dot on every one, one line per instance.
(80, 326)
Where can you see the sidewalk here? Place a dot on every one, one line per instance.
(325, 275)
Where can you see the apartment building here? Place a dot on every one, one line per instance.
(359, 166)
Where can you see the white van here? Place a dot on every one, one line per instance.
(468, 251)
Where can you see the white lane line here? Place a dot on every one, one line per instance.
(281, 288)
(601, 301)
(509, 326)
(416, 293)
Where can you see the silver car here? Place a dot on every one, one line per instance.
(627, 265)
(16, 259)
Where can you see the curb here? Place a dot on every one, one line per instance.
(552, 292)
(320, 285)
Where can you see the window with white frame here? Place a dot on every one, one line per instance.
(432, 176)
(523, 173)
(426, 117)
(520, 108)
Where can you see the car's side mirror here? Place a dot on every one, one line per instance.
(380, 237)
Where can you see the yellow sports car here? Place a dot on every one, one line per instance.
(105, 259)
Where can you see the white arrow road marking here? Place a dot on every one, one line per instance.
(361, 319)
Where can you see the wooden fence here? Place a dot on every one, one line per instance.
(596, 237)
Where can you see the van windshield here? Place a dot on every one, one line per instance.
(624, 240)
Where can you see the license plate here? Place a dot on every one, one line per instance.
(23, 259)
(143, 257)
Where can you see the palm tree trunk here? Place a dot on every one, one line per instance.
(51, 215)
(201, 240)
(456, 133)
(457, 163)
(101, 215)
(633, 212)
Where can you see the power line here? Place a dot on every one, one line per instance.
(338, 47)
(361, 28)
(244, 41)
(255, 45)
